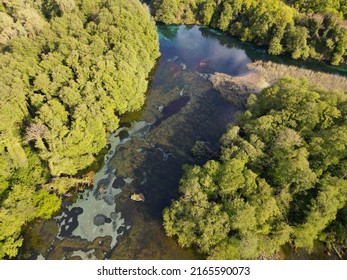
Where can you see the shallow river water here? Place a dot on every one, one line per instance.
(145, 155)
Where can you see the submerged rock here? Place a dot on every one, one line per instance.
(99, 220)
(137, 197)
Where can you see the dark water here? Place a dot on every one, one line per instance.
(146, 154)
(170, 109)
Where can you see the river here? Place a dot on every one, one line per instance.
(146, 154)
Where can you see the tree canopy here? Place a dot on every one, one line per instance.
(337, 7)
(68, 70)
(280, 178)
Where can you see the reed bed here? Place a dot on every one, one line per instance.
(272, 72)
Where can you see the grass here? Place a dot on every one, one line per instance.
(272, 72)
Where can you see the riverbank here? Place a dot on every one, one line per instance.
(264, 74)
(273, 24)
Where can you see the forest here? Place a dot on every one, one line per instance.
(337, 7)
(68, 70)
(304, 29)
(280, 179)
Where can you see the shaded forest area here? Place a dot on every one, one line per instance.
(292, 27)
(68, 70)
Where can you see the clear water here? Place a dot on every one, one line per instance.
(146, 155)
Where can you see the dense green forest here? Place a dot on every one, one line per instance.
(68, 70)
(337, 7)
(271, 23)
(280, 179)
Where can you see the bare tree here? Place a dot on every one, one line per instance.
(33, 132)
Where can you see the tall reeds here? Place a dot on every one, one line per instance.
(272, 72)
